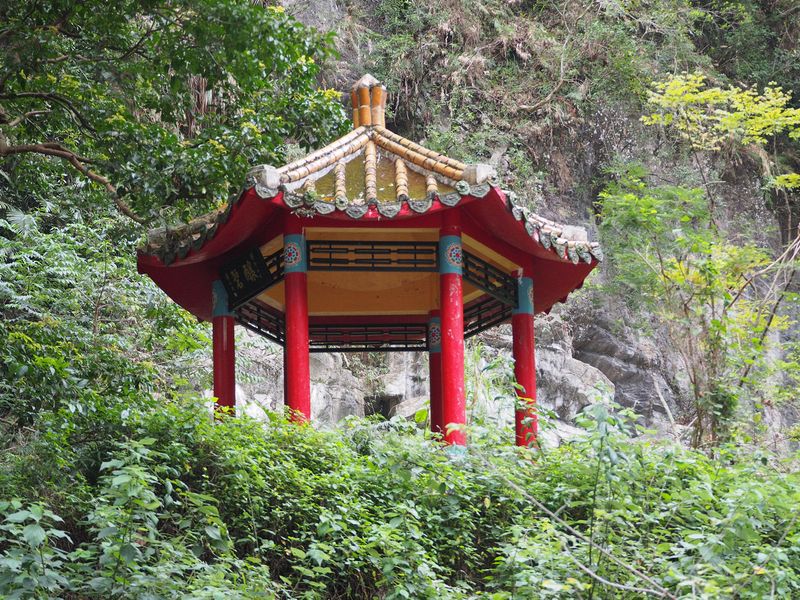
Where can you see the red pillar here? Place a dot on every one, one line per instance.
(297, 381)
(435, 370)
(222, 332)
(452, 315)
(524, 364)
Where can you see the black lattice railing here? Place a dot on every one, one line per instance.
(480, 315)
(364, 338)
(262, 320)
(491, 309)
(484, 313)
(490, 279)
(371, 256)
(274, 264)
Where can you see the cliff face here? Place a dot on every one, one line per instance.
(552, 98)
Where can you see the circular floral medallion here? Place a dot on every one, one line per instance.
(453, 254)
(435, 334)
(291, 254)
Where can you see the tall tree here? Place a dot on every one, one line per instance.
(162, 103)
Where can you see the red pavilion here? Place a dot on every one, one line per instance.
(372, 243)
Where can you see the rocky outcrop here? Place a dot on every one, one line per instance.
(565, 385)
(402, 386)
(336, 392)
(634, 364)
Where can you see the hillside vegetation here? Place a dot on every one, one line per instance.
(668, 127)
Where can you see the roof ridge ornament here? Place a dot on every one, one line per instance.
(368, 97)
(477, 173)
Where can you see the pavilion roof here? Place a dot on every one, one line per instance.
(371, 173)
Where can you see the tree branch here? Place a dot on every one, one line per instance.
(124, 52)
(50, 149)
(57, 98)
(658, 590)
(606, 582)
(529, 108)
(26, 116)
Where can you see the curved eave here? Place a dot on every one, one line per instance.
(557, 268)
(187, 271)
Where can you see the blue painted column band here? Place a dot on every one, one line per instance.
(435, 335)
(451, 255)
(294, 253)
(219, 300)
(524, 296)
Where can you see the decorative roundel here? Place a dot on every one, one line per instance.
(291, 254)
(453, 254)
(435, 334)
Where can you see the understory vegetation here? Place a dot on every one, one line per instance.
(670, 127)
(151, 498)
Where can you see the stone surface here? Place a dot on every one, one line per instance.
(557, 433)
(404, 377)
(565, 385)
(408, 407)
(335, 392)
(637, 367)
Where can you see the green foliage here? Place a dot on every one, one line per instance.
(708, 116)
(114, 480)
(32, 564)
(164, 104)
(665, 250)
(79, 331)
(750, 41)
(176, 505)
(788, 181)
(736, 120)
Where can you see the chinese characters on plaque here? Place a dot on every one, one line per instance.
(245, 277)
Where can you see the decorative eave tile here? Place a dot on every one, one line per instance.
(420, 206)
(451, 199)
(480, 190)
(572, 254)
(292, 200)
(356, 211)
(545, 239)
(324, 208)
(389, 209)
(560, 247)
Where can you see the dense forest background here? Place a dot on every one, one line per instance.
(667, 127)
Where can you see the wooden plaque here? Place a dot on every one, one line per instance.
(245, 277)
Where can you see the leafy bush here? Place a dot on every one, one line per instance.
(170, 503)
(78, 330)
